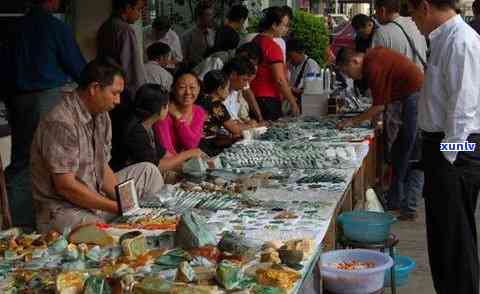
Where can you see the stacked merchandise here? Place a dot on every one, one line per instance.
(255, 225)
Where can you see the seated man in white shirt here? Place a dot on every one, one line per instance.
(240, 72)
(299, 65)
(159, 56)
(164, 33)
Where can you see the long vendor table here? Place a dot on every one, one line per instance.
(315, 173)
(360, 177)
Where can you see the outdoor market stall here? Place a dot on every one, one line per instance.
(263, 202)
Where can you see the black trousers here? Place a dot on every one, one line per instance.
(451, 192)
(270, 107)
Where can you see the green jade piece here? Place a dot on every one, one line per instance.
(192, 232)
(229, 275)
(97, 285)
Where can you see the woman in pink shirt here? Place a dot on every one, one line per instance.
(182, 129)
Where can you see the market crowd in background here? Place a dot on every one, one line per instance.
(198, 92)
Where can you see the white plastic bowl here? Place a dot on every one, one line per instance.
(362, 281)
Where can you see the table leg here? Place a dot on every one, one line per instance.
(393, 285)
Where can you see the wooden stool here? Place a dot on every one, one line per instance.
(389, 244)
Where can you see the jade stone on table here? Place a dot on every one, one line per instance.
(291, 258)
(195, 166)
(185, 273)
(96, 254)
(58, 246)
(258, 289)
(192, 232)
(197, 289)
(133, 244)
(35, 264)
(123, 271)
(39, 253)
(229, 275)
(78, 265)
(97, 285)
(11, 255)
(151, 285)
(171, 259)
(237, 245)
(71, 253)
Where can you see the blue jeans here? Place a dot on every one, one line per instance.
(407, 183)
(25, 112)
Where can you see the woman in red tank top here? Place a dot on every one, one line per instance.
(270, 85)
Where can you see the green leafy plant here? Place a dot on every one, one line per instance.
(313, 31)
(308, 28)
(253, 24)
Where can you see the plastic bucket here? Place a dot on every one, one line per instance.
(366, 226)
(356, 281)
(403, 267)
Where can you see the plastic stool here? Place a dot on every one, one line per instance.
(389, 244)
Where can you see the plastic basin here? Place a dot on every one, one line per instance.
(356, 281)
(366, 226)
(403, 267)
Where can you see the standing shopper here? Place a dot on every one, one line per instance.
(300, 65)
(365, 28)
(201, 37)
(164, 33)
(448, 112)
(475, 23)
(393, 80)
(236, 18)
(400, 34)
(270, 85)
(116, 39)
(45, 57)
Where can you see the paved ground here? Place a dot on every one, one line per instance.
(413, 243)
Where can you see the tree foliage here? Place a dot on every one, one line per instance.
(310, 29)
(313, 31)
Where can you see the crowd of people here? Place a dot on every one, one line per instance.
(195, 95)
(429, 98)
(198, 93)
